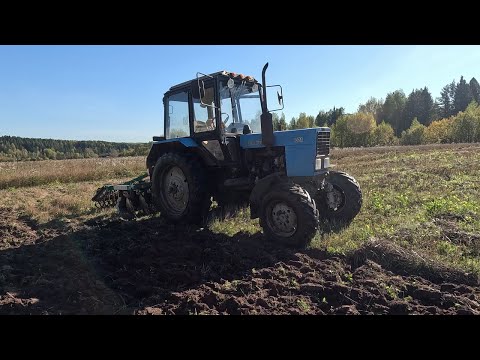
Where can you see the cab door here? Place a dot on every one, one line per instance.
(206, 122)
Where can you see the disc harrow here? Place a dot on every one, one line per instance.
(132, 198)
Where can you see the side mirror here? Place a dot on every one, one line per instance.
(280, 99)
(201, 89)
(279, 95)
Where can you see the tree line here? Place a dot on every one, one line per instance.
(454, 116)
(17, 148)
(415, 119)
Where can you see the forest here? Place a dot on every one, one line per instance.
(452, 117)
(20, 149)
(399, 119)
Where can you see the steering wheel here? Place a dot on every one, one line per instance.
(228, 117)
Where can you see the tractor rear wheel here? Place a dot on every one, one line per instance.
(288, 215)
(180, 188)
(340, 200)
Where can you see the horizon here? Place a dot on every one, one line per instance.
(75, 140)
(114, 93)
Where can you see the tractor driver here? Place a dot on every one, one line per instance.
(207, 101)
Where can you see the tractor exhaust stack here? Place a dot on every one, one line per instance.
(266, 117)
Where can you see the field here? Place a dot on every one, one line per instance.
(413, 249)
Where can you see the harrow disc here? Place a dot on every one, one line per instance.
(105, 198)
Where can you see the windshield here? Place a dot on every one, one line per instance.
(240, 106)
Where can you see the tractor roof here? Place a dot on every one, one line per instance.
(229, 74)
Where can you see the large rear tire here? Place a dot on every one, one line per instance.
(180, 188)
(340, 201)
(288, 215)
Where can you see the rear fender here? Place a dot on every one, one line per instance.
(179, 145)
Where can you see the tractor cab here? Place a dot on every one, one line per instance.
(215, 110)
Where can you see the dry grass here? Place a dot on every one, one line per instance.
(33, 173)
(56, 201)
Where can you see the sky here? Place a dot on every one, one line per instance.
(114, 93)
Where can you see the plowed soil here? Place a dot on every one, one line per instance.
(149, 267)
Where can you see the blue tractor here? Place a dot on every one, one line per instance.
(219, 145)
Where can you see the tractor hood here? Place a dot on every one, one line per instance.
(284, 138)
(304, 148)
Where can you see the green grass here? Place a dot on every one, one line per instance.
(303, 305)
(240, 223)
(404, 191)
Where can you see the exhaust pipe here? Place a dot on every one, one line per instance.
(266, 117)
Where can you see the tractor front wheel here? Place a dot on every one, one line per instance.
(340, 200)
(288, 215)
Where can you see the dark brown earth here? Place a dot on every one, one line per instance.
(148, 267)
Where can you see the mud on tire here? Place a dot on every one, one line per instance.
(282, 197)
(198, 197)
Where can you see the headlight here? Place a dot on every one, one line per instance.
(322, 160)
(326, 162)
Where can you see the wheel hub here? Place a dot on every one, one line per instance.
(334, 198)
(284, 219)
(176, 189)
